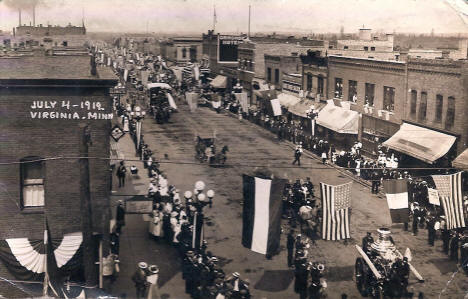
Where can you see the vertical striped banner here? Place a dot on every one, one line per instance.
(450, 193)
(262, 214)
(336, 204)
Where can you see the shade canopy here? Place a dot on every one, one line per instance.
(424, 144)
(288, 100)
(160, 85)
(301, 107)
(461, 161)
(219, 82)
(338, 119)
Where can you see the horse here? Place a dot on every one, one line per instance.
(221, 157)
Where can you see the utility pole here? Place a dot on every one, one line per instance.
(248, 34)
(86, 211)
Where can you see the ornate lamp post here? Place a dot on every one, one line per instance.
(198, 200)
(312, 115)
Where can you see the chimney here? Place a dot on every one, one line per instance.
(34, 15)
(19, 14)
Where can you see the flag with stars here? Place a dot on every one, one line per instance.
(451, 197)
(336, 205)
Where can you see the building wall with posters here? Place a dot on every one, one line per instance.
(437, 97)
(46, 103)
(374, 88)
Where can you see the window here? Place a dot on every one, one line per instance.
(269, 74)
(450, 119)
(345, 47)
(370, 91)
(439, 105)
(309, 82)
(276, 76)
(184, 53)
(338, 88)
(372, 48)
(352, 91)
(366, 48)
(320, 85)
(414, 99)
(389, 98)
(32, 182)
(423, 106)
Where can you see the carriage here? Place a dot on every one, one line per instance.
(160, 101)
(382, 271)
(205, 151)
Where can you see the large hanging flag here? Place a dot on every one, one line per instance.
(450, 193)
(262, 213)
(336, 204)
(397, 199)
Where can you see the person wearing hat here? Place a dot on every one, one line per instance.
(431, 231)
(297, 155)
(301, 273)
(120, 216)
(139, 279)
(121, 173)
(152, 282)
(454, 245)
(367, 241)
(444, 234)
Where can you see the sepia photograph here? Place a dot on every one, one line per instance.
(213, 149)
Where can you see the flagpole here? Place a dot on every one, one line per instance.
(45, 286)
(214, 18)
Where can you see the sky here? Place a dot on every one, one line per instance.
(196, 16)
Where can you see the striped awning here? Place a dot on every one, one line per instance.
(424, 144)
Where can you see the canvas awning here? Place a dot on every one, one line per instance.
(301, 107)
(288, 100)
(424, 144)
(219, 82)
(461, 161)
(338, 119)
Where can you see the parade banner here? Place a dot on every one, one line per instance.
(449, 188)
(336, 203)
(243, 100)
(397, 199)
(433, 196)
(275, 105)
(261, 230)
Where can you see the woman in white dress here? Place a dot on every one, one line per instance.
(155, 226)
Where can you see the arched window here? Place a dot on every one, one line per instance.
(32, 182)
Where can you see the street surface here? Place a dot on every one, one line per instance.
(251, 146)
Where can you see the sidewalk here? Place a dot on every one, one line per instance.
(135, 242)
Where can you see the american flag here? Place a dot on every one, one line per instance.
(450, 193)
(336, 203)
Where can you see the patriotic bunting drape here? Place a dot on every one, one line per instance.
(336, 205)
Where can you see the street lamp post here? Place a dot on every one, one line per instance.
(312, 115)
(198, 200)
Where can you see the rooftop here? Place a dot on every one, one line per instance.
(51, 67)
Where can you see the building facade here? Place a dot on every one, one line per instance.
(50, 30)
(182, 50)
(374, 88)
(47, 103)
(437, 95)
(314, 75)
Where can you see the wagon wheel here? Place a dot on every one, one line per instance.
(361, 276)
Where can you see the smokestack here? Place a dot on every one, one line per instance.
(19, 11)
(34, 15)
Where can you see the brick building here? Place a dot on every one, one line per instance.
(46, 103)
(314, 75)
(373, 88)
(276, 66)
(181, 50)
(50, 30)
(437, 94)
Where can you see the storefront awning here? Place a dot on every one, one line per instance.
(461, 161)
(219, 82)
(288, 100)
(304, 105)
(338, 119)
(424, 144)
